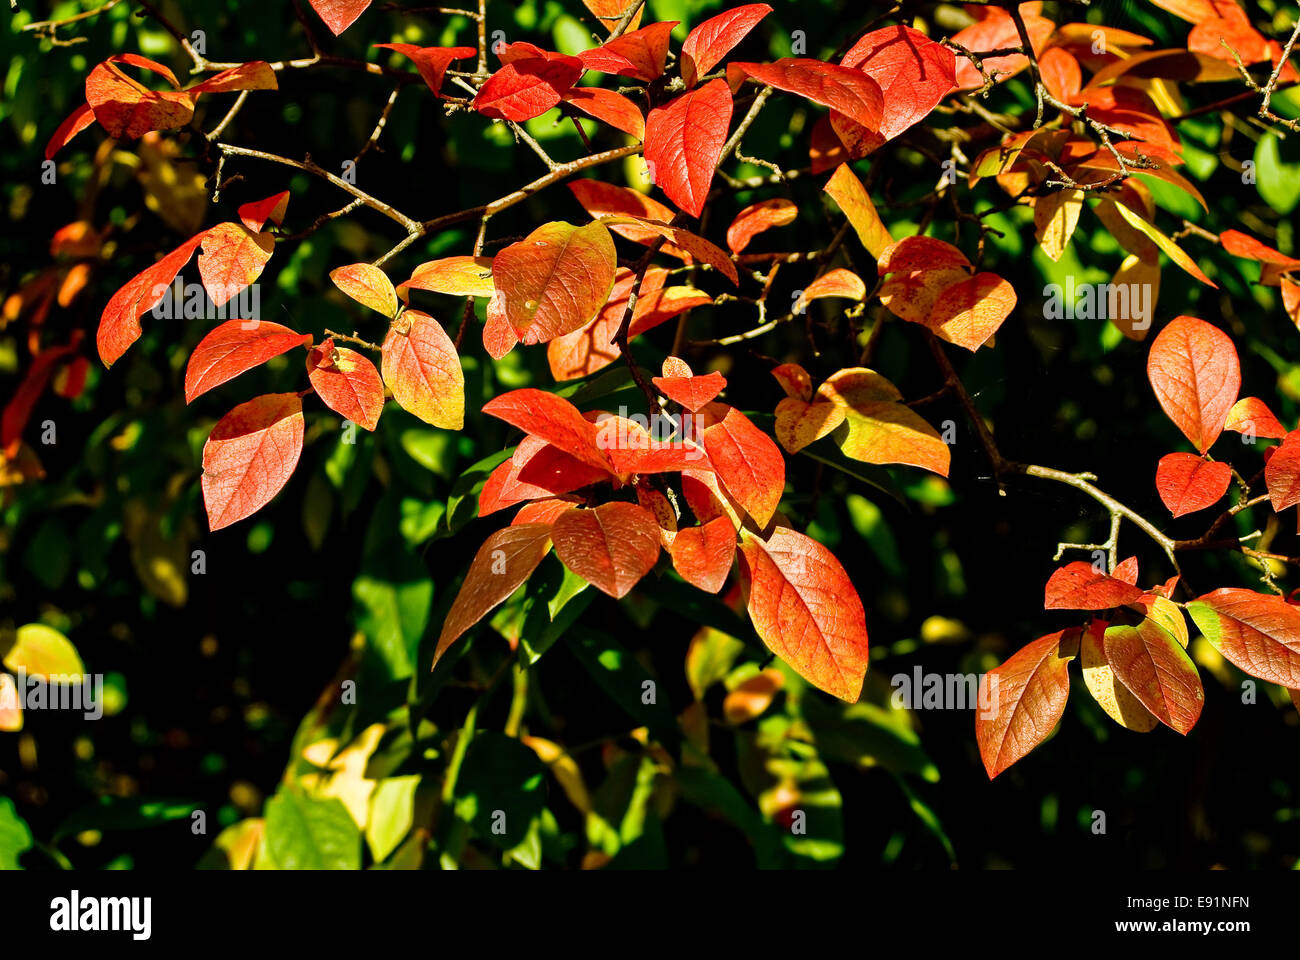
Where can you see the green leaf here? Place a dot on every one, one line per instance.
(305, 833)
(1277, 172)
(15, 837)
(501, 789)
(392, 809)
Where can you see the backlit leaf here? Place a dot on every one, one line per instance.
(249, 456)
(422, 369)
(1157, 670)
(347, 382)
(1195, 373)
(1186, 483)
(232, 348)
(683, 143)
(368, 286)
(1260, 634)
(756, 218)
(806, 610)
(1078, 586)
(748, 464)
(1022, 700)
(611, 546)
(713, 39)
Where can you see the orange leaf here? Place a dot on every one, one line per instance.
(1282, 473)
(236, 346)
(527, 86)
(834, 283)
(555, 280)
(1186, 483)
(368, 286)
(232, 257)
(339, 14)
(119, 325)
(347, 382)
(703, 554)
(1251, 415)
(1027, 695)
(805, 609)
(255, 214)
(1195, 373)
(749, 465)
(970, 311)
(249, 456)
(696, 246)
(126, 108)
(1259, 634)
(553, 419)
(881, 429)
(506, 559)
(1078, 586)
(692, 392)
(1155, 668)
(422, 369)
(639, 54)
(756, 218)
(611, 547)
(849, 92)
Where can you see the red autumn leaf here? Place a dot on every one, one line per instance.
(506, 559)
(849, 92)
(422, 369)
(368, 286)
(970, 311)
(692, 392)
(78, 120)
(1026, 697)
(19, 408)
(603, 200)
(339, 14)
(610, 13)
(499, 338)
(1195, 373)
(541, 511)
(1251, 415)
(1153, 665)
(119, 325)
(1061, 73)
(996, 30)
(613, 108)
(527, 87)
(553, 419)
(756, 218)
(682, 239)
(1078, 586)
(913, 72)
(749, 465)
(432, 62)
(639, 54)
(127, 108)
(232, 348)
(255, 75)
(703, 554)
(554, 280)
(805, 609)
(631, 449)
(536, 470)
(1242, 245)
(231, 257)
(589, 349)
(1282, 473)
(611, 547)
(713, 39)
(347, 382)
(1126, 570)
(1259, 634)
(1186, 483)
(249, 456)
(255, 213)
(683, 143)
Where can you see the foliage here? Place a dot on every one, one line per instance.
(611, 576)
